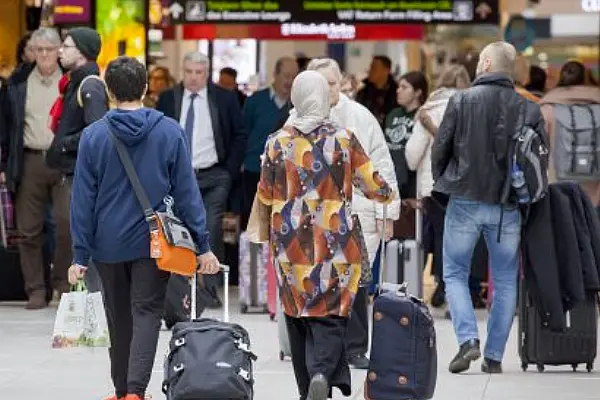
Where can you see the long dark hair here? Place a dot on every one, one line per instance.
(419, 82)
(571, 74)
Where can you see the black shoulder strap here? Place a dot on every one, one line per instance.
(134, 179)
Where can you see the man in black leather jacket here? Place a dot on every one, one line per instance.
(469, 163)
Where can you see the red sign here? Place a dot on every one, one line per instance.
(297, 31)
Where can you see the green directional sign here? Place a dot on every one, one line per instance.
(350, 12)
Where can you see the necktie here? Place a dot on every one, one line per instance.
(189, 122)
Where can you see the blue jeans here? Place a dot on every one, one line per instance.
(465, 221)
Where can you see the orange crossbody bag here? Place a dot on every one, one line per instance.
(171, 243)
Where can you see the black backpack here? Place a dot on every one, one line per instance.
(528, 153)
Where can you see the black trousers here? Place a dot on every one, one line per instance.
(357, 334)
(435, 207)
(317, 346)
(214, 184)
(134, 296)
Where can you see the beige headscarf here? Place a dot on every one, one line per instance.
(310, 97)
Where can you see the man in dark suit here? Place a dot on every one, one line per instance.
(212, 120)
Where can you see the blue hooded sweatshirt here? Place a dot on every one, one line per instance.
(107, 221)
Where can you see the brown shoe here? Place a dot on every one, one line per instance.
(37, 301)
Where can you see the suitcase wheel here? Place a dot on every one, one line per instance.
(589, 366)
(243, 308)
(540, 367)
(574, 366)
(524, 366)
(281, 356)
(272, 317)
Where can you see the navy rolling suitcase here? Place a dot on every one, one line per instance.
(403, 360)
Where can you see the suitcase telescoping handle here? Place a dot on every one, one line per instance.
(194, 284)
(3, 225)
(402, 288)
(382, 250)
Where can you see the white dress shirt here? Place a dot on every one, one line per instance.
(204, 151)
(279, 102)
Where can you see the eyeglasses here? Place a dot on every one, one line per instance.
(67, 46)
(45, 49)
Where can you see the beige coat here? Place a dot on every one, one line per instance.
(569, 95)
(418, 148)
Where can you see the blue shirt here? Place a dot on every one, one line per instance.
(261, 116)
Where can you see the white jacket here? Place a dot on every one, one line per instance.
(355, 117)
(418, 148)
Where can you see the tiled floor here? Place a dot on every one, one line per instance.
(29, 369)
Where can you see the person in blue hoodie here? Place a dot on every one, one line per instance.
(108, 225)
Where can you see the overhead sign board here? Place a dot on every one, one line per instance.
(72, 12)
(591, 6)
(335, 12)
(300, 31)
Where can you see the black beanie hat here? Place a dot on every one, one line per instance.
(87, 42)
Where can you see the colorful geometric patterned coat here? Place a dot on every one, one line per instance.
(315, 253)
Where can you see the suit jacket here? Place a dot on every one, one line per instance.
(227, 122)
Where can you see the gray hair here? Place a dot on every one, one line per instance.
(48, 34)
(196, 57)
(502, 56)
(318, 64)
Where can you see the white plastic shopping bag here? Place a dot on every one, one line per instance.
(80, 320)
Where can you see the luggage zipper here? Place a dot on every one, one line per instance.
(240, 342)
(216, 327)
(245, 347)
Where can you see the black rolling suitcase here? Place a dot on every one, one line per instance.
(209, 359)
(403, 362)
(540, 346)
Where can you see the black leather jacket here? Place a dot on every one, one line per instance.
(469, 155)
(62, 154)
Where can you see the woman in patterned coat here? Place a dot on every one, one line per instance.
(308, 171)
